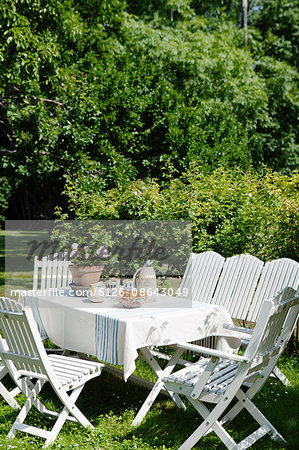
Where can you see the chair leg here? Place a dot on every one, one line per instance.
(63, 416)
(237, 408)
(9, 396)
(31, 398)
(210, 422)
(5, 393)
(216, 427)
(159, 384)
(69, 412)
(69, 402)
(258, 416)
(280, 376)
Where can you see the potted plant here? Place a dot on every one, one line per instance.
(86, 243)
(85, 271)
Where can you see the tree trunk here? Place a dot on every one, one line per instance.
(244, 19)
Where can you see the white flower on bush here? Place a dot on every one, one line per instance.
(74, 250)
(102, 252)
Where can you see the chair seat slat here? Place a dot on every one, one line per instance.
(76, 362)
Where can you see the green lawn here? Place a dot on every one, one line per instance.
(18, 270)
(111, 404)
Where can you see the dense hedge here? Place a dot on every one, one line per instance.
(231, 211)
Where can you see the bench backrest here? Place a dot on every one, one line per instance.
(237, 284)
(275, 275)
(201, 275)
(240, 283)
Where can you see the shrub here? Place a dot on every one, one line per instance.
(231, 211)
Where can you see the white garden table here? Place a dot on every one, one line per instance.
(115, 334)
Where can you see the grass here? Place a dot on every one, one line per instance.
(111, 404)
(16, 272)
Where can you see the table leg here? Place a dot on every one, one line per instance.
(159, 384)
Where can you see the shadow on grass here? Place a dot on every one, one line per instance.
(167, 425)
(111, 404)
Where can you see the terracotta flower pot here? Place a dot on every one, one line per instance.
(86, 275)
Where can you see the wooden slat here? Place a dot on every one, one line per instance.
(202, 274)
(275, 275)
(73, 363)
(33, 430)
(250, 440)
(37, 266)
(52, 271)
(53, 279)
(21, 358)
(237, 284)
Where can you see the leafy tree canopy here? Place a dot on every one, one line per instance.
(126, 90)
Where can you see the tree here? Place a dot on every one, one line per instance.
(114, 97)
(277, 20)
(244, 19)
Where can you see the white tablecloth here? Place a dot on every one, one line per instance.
(113, 334)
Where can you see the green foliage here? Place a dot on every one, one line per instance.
(277, 21)
(278, 136)
(231, 211)
(5, 190)
(91, 240)
(88, 83)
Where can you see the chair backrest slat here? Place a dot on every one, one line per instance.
(23, 346)
(36, 272)
(52, 280)
(44, 272)
(275, 275)
(274, 326)
(52, 271)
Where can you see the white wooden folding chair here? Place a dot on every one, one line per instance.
(9, 396)
(25, 358)
(52, 271)
(219, 379)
